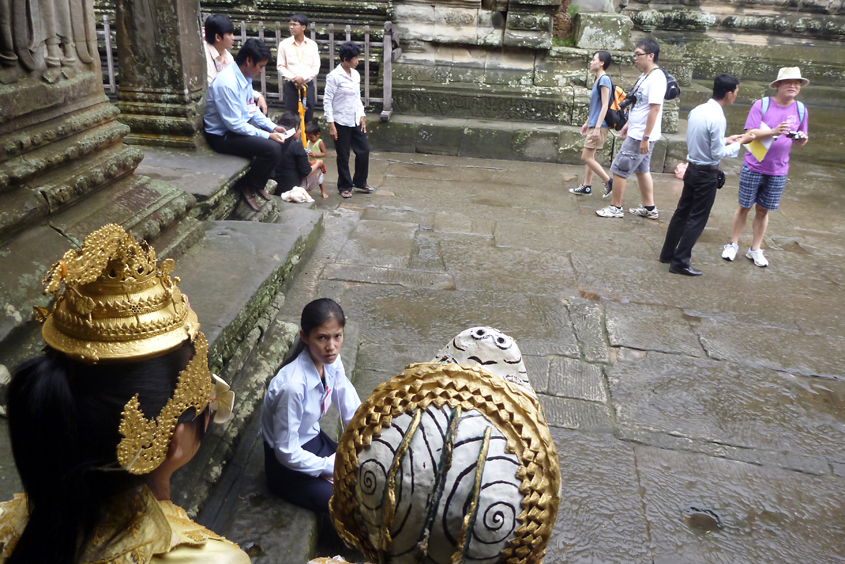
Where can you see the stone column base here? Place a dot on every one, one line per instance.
(162, 118)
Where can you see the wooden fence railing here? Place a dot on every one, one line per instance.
(368, 46)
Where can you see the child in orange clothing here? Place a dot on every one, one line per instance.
(316, 149)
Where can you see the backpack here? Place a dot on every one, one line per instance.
(673, 89)
(764, 107)
(616, 118)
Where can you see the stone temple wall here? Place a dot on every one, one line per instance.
(64, 169)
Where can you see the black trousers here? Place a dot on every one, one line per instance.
(292, 99)
(690, 217)
(265, 155)
(356, 139)
(301, 489)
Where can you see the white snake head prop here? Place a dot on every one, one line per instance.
(490, 349)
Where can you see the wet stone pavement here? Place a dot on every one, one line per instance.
(696, 419)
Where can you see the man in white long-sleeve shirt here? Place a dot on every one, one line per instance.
(298, 60)
(347, 123)
(707, 146)
(235, 126)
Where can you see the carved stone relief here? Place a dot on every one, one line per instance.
(48, 38)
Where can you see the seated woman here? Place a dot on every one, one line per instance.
(120, 399)
(298, 456)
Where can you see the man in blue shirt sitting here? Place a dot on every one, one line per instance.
(234, 125)
(707, 146)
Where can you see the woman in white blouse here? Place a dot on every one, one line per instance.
(298, 456)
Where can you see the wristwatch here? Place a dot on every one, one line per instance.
(645, 137)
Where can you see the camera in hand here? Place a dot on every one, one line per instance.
(794, 135)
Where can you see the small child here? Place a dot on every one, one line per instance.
(316, 148)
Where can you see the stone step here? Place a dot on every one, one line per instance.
(209, 176)
(56, 190)
(43, 134)
(500, 139)
(236, 279)
(149, 208)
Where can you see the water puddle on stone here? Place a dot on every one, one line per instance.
(701, 519)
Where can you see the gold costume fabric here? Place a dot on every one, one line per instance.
(163, 534)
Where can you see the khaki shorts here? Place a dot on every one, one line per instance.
(589, 143)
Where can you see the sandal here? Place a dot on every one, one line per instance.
(366, 189)
(346, 194)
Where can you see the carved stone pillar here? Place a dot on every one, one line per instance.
(162, 71)
(64, 169)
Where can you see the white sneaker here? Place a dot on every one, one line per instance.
(641, 211)
(610, 211)
(730, 250)
(757, 257)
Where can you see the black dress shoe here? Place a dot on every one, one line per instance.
(263, 193)
(686, 271)
(249, 198)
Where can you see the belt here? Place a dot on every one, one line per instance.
(703, 167)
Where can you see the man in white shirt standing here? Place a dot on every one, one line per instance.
(344, 113)
(299, 62)
(707, 146)
(219, 38)
(640, 133)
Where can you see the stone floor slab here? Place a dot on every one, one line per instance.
(650, 328)
(498, 269)
(774, 348)
(587, 319)
(398, 316)
(394, 358)
(765, 514)
(601, 516)
(576, 414)
(573, 378)
(380, 243)
(730, 404)
(389, 276)
(538, 372)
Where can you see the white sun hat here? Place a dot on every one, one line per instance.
(789, 73)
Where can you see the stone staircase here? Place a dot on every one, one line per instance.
(63, 177)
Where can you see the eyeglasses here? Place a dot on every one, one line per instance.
(636, 55)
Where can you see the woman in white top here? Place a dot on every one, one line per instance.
(298, 456)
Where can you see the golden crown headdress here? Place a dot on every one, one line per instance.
(117, 304)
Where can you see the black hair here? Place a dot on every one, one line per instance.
(217, 24)
(290, 120)
(312, 127)
(64, 417)
(300, 19)
(649, 45)
(254, 49)
(348, 50)
(316, 313)
(604, 57)
(723, 84)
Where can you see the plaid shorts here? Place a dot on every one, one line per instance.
(760, 189)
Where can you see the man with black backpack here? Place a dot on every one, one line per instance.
(778, 122)
(640, 133)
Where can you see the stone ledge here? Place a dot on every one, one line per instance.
(511, 140)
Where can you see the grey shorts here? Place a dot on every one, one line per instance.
(628, 159)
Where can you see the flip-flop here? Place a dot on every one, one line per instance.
(366, 189)
(346, 194)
